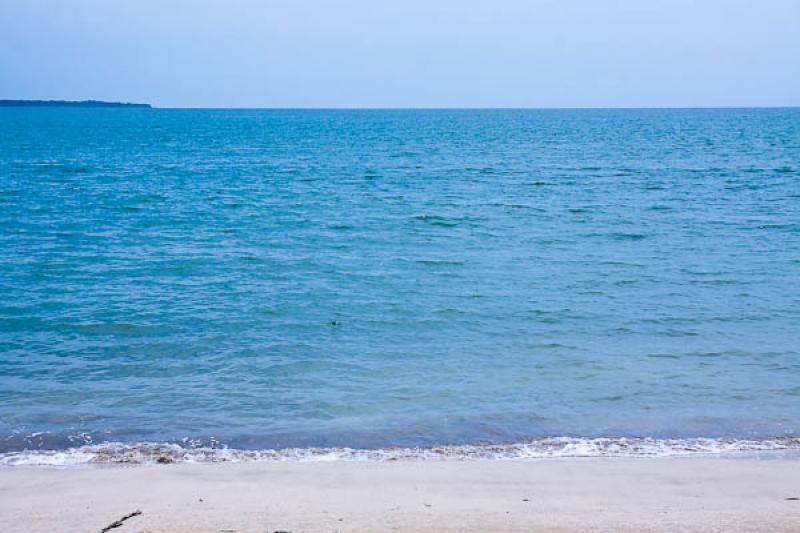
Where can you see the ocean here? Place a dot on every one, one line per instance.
(216, 284)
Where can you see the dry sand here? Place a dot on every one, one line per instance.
(558, 495)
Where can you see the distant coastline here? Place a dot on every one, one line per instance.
(66, 103)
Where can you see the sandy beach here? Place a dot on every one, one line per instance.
(692, 494)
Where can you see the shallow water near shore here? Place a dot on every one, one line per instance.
(272, 280)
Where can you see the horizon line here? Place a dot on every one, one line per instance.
(129, 103)
(469, 108)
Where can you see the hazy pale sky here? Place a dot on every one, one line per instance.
(409, 53)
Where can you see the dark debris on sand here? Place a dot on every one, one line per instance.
(119, 523)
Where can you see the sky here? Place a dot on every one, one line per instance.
(404, 53)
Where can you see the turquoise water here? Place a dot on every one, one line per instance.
(268, 279)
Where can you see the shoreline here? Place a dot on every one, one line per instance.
(597, 494)
(534, 449)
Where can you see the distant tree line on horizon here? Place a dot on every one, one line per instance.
(66, 103)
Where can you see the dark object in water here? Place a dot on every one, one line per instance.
(119, 522)
(335, 323)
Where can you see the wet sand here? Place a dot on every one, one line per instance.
(693, 494)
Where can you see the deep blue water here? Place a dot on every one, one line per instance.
(374, 278)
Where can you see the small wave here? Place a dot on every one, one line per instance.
(517, 206)
(785, 170)
(542, 448)
(620, 236)
(438, 262)
(65, 168)
(341, 226)
(436, 220)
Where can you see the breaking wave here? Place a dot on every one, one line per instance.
(542, 448)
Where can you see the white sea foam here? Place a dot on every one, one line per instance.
(543, 448)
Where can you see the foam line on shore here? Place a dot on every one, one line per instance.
(541, 448)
